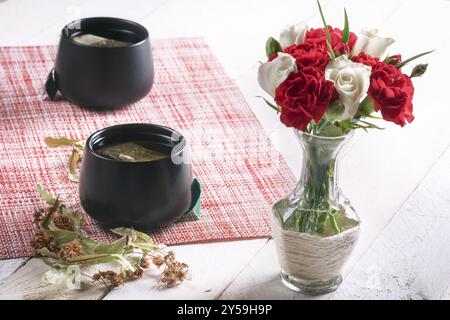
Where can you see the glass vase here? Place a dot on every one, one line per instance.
(315, 227)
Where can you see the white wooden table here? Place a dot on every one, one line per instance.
(398, 179)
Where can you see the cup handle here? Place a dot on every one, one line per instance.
(51, 86)
(194, 209)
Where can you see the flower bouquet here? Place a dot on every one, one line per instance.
(327, 82)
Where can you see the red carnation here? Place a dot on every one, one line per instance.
(395, 59)
(366, 59)
(304, 96)
(306, 56)
(317, 38)
(392, 93)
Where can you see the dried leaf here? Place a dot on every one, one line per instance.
(419, 70)
(75, 218)
(75, 158)
(68, 248)
(48, 217)
(91, 259)
(46, 196)
(68, 277)
(138, 239)
(63, 141)
(133, 234)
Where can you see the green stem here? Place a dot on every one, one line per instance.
(316, 213)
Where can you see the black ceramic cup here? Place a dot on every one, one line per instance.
(142, 195)
(103, 77)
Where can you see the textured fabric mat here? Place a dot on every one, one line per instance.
(241, 173)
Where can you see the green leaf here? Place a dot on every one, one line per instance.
(366, 107)
(403, 63)
(88, 245)
(330, 48)
(95, 247)
(272, 47)
(325, 128)
(61, 236)
(46, 196)
(47, 219)
(419, 70)
(345, 125)
(116, 247)
(346, 31)
(334, 110)
(44, 252)
(274, 107)
(355, 123)
(135, 236)
(370, 125)
(330, 130)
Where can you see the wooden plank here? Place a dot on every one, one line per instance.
(8, 267)
(27, 284)
(409, 260)
(42, 23)
(205, 281)
(239, 44)
(212, 266)
(379, 158)
(411, 257)
(446, 295)
(260, 280)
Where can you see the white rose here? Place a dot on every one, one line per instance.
(370, 43)
(293, 34)
(272, 73)
(351, 81)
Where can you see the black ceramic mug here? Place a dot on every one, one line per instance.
(142, 195)
(103, 77)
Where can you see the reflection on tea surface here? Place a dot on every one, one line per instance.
(130, 152)
(97, 41)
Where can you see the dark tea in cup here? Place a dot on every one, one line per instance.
(132, 152)
(98, 41)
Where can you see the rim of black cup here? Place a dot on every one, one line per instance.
(68, 36)
(94, 138)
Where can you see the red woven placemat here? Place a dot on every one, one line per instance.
(240, 172)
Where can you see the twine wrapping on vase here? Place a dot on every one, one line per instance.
(310, 257)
